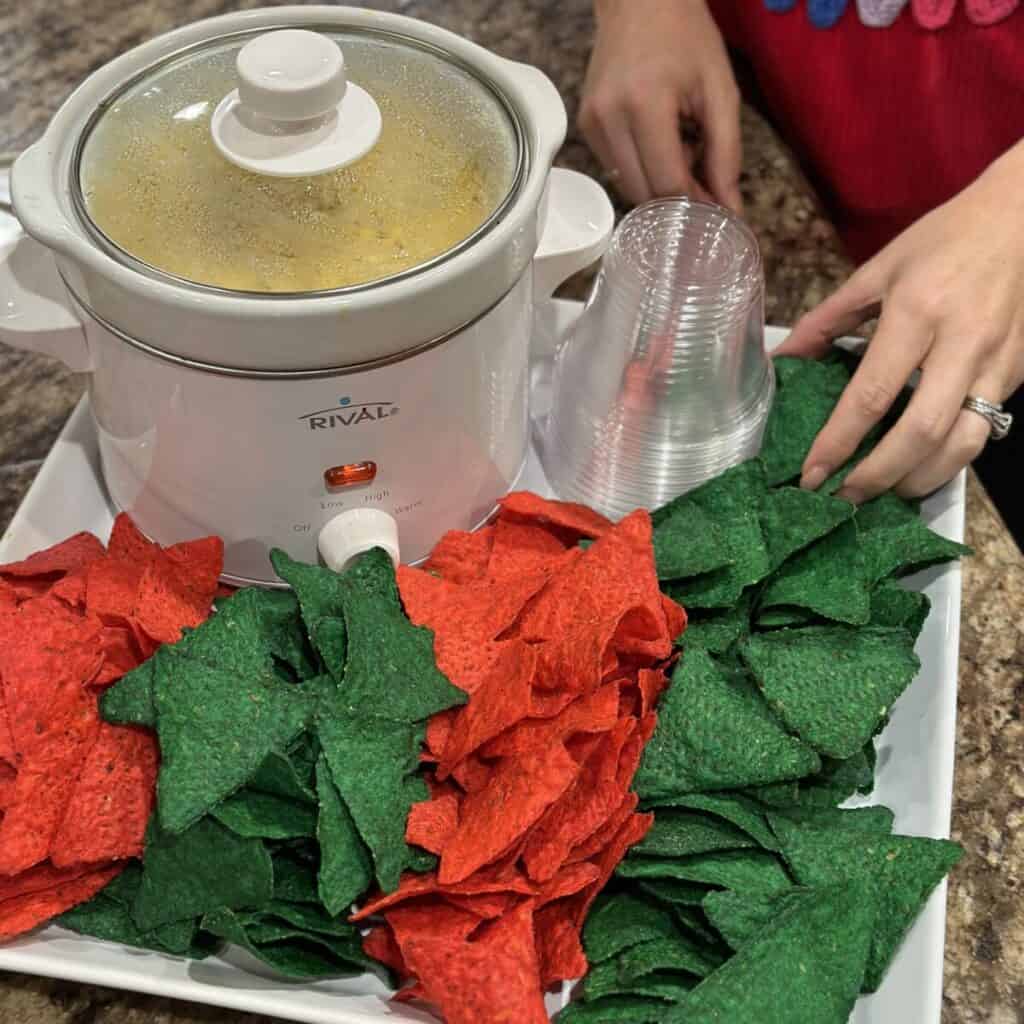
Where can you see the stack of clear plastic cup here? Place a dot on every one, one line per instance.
(664, 381)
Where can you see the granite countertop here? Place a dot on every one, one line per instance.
(47, 48)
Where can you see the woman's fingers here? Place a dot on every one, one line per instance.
(724, 157)
(609, 135)
(666, 160)
(961, 447)
(922, 430)
(897, 349)
(843, 311)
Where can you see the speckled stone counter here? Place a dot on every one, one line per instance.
(48, 47)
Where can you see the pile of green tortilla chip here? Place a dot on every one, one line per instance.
(290, 725)
(755, 896)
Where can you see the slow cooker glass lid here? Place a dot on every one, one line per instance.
(154, 190)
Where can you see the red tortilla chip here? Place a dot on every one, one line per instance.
(486, 905)
(7, 751)
(565, 515)
(592, 799)
(461, 557)
(605, 833)
(550, 703)
(108, 809)
(223, 590)
(71, 589)
(492, 819)
(176, 590)
(42, 877)
(413, 994)
(127, 543)
(8, 597)
(69, 556)
(521, 548)
(501, 700)
(52, 742)
(120, 654)
(651, 683)
(111, 586)
(499, 877)
(432, 823)
(675, 616)
(633, 830)
(594, 712)
(472, 774)
(7, 779)
(558, 945)
(571, 879)
(380, 944)
(632, 751)
(439, 728)
(470, 977)
(23, 913)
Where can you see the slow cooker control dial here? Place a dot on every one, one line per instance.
(294, 113)
(351, 534)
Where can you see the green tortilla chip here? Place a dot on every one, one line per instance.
(717, 631)
(374, 764)
(672, 954)
(834, 686)
(793, 518)
(216, 729)
(716, 732)
(108, 916)
(346, 869)
(321, 598)
(876, 819)
(130, 700)
(804, 399)
(740, 917)
(203, 868)
(683, 833)
(896, 541)
(279, 776)
(299, 956)
(776, 618)
(732, 500)
(688, 542)
(804, 967)
(390, 670)
(615, 1010)
(899, 872)
(829, 578)
(673, 892)
(622, 920)
(893, 605)
(294, 879)
(739, 810)
(262, 816)
(753, 871)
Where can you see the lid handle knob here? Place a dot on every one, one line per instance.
(291, 75)
(294, 113)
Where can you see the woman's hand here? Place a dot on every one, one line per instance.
(655, 62)
(951, 293)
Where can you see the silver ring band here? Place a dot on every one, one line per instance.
(999, 421)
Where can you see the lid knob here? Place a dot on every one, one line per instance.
(291, 75)
(294, 112)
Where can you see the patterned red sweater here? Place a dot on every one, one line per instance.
(889, 122)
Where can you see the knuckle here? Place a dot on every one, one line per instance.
(872, 398)
(928, 427)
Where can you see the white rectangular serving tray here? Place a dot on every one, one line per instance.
(914, 777)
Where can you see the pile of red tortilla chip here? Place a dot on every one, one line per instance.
(76, 792)
(563, 650)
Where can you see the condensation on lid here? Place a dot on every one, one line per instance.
(155, 188)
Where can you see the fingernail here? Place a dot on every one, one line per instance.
(814, 478)
(851, 494)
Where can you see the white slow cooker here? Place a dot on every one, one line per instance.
(326, 305)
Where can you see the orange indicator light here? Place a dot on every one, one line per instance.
(350, 475)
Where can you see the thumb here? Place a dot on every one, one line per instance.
(724, 157)
(843, 311)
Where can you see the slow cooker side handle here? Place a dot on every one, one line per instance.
(576, 224)
(35, 312)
